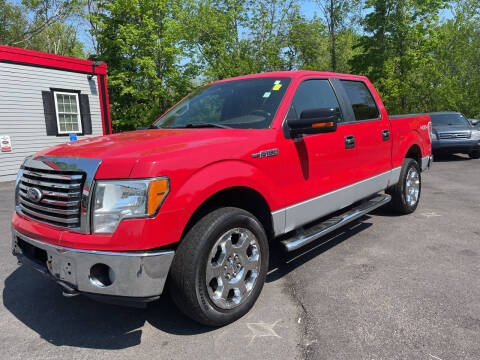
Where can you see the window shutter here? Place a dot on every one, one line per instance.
(49, 111)
(85, 114)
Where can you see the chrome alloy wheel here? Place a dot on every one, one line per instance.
(412, 187)
(232, 268)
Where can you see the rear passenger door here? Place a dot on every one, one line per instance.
(370, 131)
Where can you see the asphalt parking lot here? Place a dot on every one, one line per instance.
(386, 287)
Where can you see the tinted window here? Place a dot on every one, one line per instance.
(243, 104)
(314, 94)
(364, 106)
(449, 120)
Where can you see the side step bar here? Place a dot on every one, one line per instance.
(313, 233)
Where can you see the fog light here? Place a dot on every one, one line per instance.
(101, 275)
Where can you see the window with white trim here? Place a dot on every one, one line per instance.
(68, 112)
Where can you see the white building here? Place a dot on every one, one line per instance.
(47, 100)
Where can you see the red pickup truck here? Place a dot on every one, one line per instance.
(195, 201)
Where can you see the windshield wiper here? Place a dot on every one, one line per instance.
(204, 125)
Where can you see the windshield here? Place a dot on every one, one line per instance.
(241, 104)
(449, 120)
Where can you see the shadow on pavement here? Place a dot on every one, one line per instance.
(385, 211)
(83, 322)
(450, 157)
(282, 263)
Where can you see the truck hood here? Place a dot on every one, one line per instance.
(121, 152)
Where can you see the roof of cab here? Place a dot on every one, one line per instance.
(297, 74)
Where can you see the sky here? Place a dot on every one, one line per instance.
(309, 8)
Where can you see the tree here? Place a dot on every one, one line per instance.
(456, 80)
(268, 31)
(307, 44)
(339, 16)
(45, 13)
(142, 42)
(398, 51)
(235, 37)
(13, 23)
(213, 36)
(93, 9)
(41, 25)
(58, 38)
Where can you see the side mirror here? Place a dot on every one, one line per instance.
(314, 121)
(474, 122)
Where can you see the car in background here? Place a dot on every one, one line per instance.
(454, 133)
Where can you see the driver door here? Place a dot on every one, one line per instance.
(316, 166)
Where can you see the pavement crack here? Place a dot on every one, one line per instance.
(303, 316)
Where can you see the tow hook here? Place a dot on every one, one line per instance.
(70, 293)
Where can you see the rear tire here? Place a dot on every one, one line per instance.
(475, 154)
(406, 193)
(220, 267)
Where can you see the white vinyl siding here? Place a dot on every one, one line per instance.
(21, 110)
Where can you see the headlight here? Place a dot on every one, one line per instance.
(116, 200)
(434, 136)
(476, 134)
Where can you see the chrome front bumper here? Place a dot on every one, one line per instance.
(132, 275)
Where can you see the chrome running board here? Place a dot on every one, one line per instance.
(316, 231)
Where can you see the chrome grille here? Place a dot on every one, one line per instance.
(60, 202)
(57, 190)
(454, 135)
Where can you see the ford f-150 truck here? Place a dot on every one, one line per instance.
(195, 201)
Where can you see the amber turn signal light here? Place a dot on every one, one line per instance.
(321, 125)
(157, 192)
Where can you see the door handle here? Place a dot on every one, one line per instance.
(386, 135)
(349, 142)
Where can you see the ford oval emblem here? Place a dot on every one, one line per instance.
(34, 194)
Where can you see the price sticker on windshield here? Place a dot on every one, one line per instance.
(276, 85)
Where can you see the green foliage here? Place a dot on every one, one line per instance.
(418, 62)
(307, 44)
(143, 45)
(60, 39)
(236, 37)
(339, 16)
(41, 25)
(12, 22)
(398, 54)
(455, 77)
(158, 50)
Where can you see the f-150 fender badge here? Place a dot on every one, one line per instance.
(265, 153)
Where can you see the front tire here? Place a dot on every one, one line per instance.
(475, 154)
(406, 193)
(220, 267)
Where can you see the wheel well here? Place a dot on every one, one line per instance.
(415, 153)
(242, 197)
